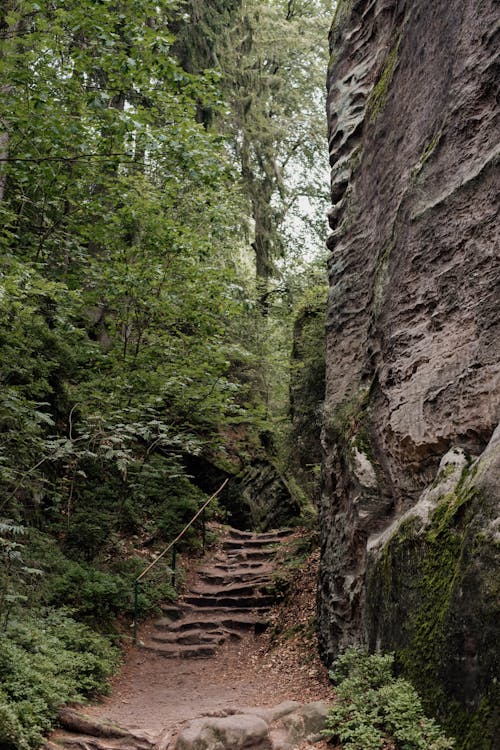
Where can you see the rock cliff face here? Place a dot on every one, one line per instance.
(411, 488)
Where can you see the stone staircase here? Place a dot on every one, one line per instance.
(231, 594)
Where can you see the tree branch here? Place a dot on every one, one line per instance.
(60, 158)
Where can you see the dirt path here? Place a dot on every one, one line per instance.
(158, 695)
(154, 694)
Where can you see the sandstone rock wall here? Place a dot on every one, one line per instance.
(413, 345)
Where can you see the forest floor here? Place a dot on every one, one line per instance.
(159, 696)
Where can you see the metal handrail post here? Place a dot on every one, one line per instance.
(136, 609)
(174, 564)
(203, 530)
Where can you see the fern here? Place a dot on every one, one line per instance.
(373, 707)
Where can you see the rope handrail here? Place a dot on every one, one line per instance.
(179, 536)
(169, 547)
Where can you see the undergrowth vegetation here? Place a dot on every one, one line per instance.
(373, 708)
(58, 627)
(47, 659)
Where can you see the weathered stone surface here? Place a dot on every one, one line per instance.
(274, 713)
(280, 727)
(82, 732)
(257, 495)
(236, 732)
(307, 394)
(260, 499)
(413, 361)
(306, 721)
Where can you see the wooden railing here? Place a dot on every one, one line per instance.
(171, 546)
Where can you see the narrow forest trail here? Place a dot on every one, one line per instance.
(230, 595)
(208, 655)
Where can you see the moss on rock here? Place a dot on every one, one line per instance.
(431, 593)
(378, 97)
(342, 14)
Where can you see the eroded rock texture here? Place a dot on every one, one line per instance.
(282, 727)
(413, 360)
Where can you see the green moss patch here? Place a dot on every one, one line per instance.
(431, 597)
(378, 97)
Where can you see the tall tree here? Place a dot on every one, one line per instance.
(10, 24)
(115, 248)
(271, 56)
(274, 71)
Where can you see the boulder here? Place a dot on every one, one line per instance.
(307, 721)
(280, 727)
(235, 732)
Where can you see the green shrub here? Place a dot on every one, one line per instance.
(92, 594)
(95, 596)
(88, 533)
(155, 588)
(45, 661)
(373, 707)
(11, 732)
(98, 597)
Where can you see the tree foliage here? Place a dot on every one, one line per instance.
(119, 220)
(145, 148)
(272, 60)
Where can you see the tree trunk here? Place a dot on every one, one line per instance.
(4, 155)
(8, 34)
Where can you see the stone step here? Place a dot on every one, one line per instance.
(189, 610)
(217, 618)
(279, 533)
(192, 637)
(176, 651)
(245, 544)
(223, 564)
(247, 588)
(253, 567)
(229, 595)
(172, 611)
(215, 578)
(239, 602)
(250, 555)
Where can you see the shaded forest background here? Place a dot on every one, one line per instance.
(162, 199)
